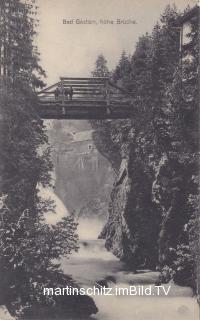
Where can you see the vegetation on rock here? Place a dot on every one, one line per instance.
(29, 248)
(153, 207)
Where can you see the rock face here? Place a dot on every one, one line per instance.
(149, 209)
(132, 227)
(116, 231)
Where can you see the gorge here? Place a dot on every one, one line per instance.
(94, 264)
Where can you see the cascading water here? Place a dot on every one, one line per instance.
(93, 264)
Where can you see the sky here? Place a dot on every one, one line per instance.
(72, 49)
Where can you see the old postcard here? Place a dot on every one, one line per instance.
(99, 170)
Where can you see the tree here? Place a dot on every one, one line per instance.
(28, 246)
(19, 55)
(29, 249)
(101, 69)
(184, 102)
(123, 70)
(159, 147)
(103, 127)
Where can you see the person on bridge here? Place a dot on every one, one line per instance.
(57, 93)
(71, 92)
(68, 93)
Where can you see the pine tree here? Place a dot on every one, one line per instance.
(184, 102)
(101, 69)
(123, 70)
(19, 56)
(161, 144)
(102, 135)
(28, 247)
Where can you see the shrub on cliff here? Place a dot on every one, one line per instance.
(28, 247)
(160, 146)
(29, 255)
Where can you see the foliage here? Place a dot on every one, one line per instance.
(160, 145)
(19, 55)
(29, 249)
(103, 128)
(101, 69)
(123, 70)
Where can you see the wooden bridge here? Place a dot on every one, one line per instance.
(84, 98)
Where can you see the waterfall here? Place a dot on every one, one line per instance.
(60, 209)
(89, 228)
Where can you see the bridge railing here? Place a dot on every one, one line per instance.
(84, 89)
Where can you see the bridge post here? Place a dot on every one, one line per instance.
(94, 98)
(62, 90)
(63, 110)
(107, 92)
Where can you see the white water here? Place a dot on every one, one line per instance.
(89, 229)
(93, 262)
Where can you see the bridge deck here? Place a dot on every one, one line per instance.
(84, 98)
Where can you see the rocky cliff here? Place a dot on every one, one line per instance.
(132, 227)
(152, 211)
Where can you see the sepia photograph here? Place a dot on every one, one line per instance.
(99, 160)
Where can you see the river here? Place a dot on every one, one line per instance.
(93, 263)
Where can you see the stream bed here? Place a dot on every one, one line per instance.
(93, 264)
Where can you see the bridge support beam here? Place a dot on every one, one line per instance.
(84, 112)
